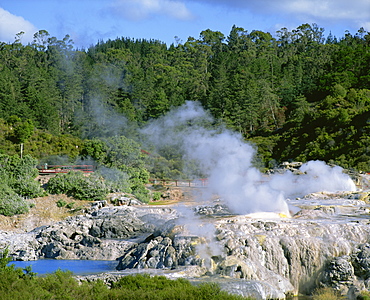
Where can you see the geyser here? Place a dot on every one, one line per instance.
(226, 159)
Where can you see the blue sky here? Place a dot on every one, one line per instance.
(88, 21)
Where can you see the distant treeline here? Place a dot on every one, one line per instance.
(298, 94)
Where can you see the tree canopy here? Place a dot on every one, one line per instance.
(297, 93)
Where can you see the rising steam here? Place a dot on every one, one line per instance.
(226, 160)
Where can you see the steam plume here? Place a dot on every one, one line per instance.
(226, 159)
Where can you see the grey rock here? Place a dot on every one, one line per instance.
(259, 257)
(361, 261)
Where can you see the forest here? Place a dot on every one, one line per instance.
(296, 95)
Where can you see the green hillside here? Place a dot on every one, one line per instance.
(299, 95)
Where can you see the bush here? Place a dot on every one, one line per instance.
(19, 174)
(116, 180)
(159, 287)
(10, 202)
(156, 196)
(364, 295)
(141, 193)
(61, 203)
(76, 184)
(28, 188)
(70, 205)
(326, 294)
(16, 283)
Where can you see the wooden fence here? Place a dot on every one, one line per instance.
(184, 183)
(54, 169)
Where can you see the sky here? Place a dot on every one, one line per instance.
(171, 21)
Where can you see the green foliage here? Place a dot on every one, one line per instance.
(17, 181)
(79, 186)
(141, 192)
(4, 259)
(61, 203)
(117, 180)
(156, 196)
(10, 202)
(159, 287)
(40, 144)
(95, 149)
(16, 283)
(162, 168)
(70, 205)
(364, 295)
(124, 166)
(279, 87)
(335, 130)
(326, 294)
(22, 131)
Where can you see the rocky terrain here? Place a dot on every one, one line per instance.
(265, 255)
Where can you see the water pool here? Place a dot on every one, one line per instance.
(78, 267)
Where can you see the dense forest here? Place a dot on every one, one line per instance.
(298, 95)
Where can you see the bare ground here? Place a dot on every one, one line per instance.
(45, 210)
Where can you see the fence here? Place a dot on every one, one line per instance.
(54, 169)
(184, 183)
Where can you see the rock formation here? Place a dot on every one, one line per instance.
(260, 255)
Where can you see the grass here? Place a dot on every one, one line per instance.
(365, 295)
(45, 211)
(61, 285)
(326, 294)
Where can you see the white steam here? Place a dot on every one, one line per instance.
(226, 159)
(206, 245)
(318, 176)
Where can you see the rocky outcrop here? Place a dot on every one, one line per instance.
(103, 234)
(260, 255)
(289, 254)
(294, 250)
(349, 274)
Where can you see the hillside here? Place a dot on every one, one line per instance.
(298, 95)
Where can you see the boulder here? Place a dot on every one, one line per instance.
(361, 261)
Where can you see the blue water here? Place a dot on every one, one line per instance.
(78, 267)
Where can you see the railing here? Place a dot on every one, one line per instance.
(53, 169)
(178, 182)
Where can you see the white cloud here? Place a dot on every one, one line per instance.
(142, 9)
(330, 9)
(365, 25)
(10, 25)
(354, 13)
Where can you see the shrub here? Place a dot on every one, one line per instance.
(16, 283)
(364, 295)
(92, 188)
(70, 205)
(61, 203)
(326, 294)
(141, 193)
(10, 203)
(4, 258)
(75, 184)
(19, 174)
(159, 287)
(116, 180)
(28, 188)
(157, 196)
